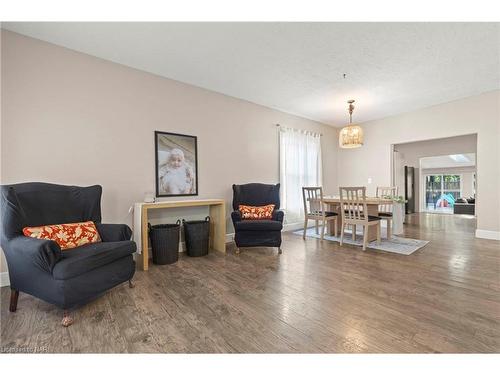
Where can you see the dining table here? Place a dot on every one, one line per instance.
(372, 204)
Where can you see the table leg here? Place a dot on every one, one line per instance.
(372, 229)
(335, 207)
(145, 244)
(218, 227)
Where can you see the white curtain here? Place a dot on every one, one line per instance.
(300, 165)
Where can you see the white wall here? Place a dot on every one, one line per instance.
(468, 183)
(474, 115)
(71, 118)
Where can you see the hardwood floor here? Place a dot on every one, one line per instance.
(315, 297)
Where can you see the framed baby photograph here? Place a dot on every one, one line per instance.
(176, 164)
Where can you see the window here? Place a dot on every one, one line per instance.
(300, 165)
(441, 192)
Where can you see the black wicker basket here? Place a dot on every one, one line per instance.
(165, 242)
(197, 236)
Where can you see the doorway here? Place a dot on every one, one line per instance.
(444, 171)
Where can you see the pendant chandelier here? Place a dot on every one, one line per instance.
(351, 136)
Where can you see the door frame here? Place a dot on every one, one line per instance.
(394, 144)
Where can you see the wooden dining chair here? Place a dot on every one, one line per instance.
(314, 209)
(385, 210)
(354, 212)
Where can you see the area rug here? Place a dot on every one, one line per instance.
(398, 245)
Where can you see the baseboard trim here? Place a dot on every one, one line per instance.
(292, 226)
(4, 279)
(488, 234)
(297, 226)
(286, 228)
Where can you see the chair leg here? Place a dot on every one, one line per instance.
(342, 234)
(365, 236)
(279, 250)
(354, 232)
(305, 228)
(389, 229)
(323, 227)
(335, 227)
(379, 232)
(317, 226)
(67, 319)
(14, 295)
(131, 284)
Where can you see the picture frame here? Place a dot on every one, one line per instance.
(176, 164)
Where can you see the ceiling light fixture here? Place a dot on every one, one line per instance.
(351, 136)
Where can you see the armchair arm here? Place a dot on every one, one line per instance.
(42, 253)
(236, 216)
(114, 232)
(278, 215)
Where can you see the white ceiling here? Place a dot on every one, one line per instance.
(448, 161)
(298, 67)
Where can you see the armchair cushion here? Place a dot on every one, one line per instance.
(43, 254)
(256, 212)
(68, 235)
(114, 232)
(258, 225)
(278, 215)
(85, 258)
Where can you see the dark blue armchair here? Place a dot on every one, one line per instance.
(38, 267)
(251, 233)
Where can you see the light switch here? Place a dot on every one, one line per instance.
(369, 180)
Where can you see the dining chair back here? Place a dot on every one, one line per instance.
(315, 209)
(354, 211)
(385, 210)
(353, 203)
(386, 191)
(313, 200)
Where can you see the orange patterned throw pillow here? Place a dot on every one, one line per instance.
(257, 213)
(67, 236)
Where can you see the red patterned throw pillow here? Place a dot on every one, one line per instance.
(257, 212)
(67, 236)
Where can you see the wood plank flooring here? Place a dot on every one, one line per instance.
(315, 297)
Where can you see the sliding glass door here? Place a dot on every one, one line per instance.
(441, 192)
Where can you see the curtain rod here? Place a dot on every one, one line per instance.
(310, 131)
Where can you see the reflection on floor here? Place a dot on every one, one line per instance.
(444, 210)
(315, 297)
